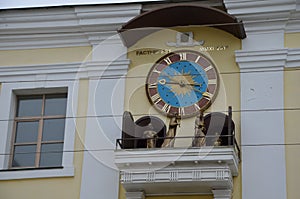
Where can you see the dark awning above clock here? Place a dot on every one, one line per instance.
(179, 15)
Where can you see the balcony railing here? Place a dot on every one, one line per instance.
(219, 141)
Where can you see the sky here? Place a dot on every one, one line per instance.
(10, 4)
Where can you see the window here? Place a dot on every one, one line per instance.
(39, 126)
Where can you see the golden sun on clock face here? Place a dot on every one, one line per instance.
(182, 82)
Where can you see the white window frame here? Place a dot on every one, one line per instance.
(7, 107)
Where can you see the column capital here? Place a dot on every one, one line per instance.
(261, 59)
(262, 16)
(222, 193)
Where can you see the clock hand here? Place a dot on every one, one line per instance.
(163, 82)
(170, 77)
(198, 90)
(174, 80)
(204, 94)
(195, 84)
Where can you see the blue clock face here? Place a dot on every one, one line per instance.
(183, 83)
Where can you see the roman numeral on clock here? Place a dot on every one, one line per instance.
(181, 111)
(166, 108)
(207, 95)
(212, 81)
(182, 56)
(208, 68)
(154, 85)
(156, 71)
(168, 61)
(155, 98)
(197, 107)
(197, 59)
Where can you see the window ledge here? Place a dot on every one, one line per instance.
(36, 173)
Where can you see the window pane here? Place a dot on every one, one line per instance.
(29, 106)
(27, 131)
(53, 129)
(51, 155)
(24, 156)
(56, 104)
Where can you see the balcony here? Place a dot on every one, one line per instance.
(191, 170)
(178, 171)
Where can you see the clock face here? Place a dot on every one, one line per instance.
(182, 82)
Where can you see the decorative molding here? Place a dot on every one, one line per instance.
(140, 159)
(197, 170)
(30, 174)
(62, 26)
(182, 174)
(268, 59)
(263, 16)
(222, 193)
(261, 60)
(258, 6)
(135, 195)
(72, 70)
(293, 25)
(293, 58)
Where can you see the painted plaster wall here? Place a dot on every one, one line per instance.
(292, 120)
(135, 97)
(61, 187)
(43, 56)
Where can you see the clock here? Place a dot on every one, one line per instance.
(182, 82)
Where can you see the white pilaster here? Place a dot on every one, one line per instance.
(135, 195)
(105, 109)
(262, 119)
(222, 194)
(103, 127)
(262, 61)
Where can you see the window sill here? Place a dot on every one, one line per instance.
(16, 174)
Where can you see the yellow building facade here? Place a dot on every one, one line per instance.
(91, 64)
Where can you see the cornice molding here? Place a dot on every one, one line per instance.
(293, 58)
(197, 170)
(265, 16)
(74, 71)
(261, 60)
(222, 194)
(268, 59)
(137, 159)
(135, 195)
(62, 26)
(293, 25)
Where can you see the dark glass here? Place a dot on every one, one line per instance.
(51, 155)
(53, 130)
(30, 106)
(27, 132)
(56, 104)
(24, 156)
